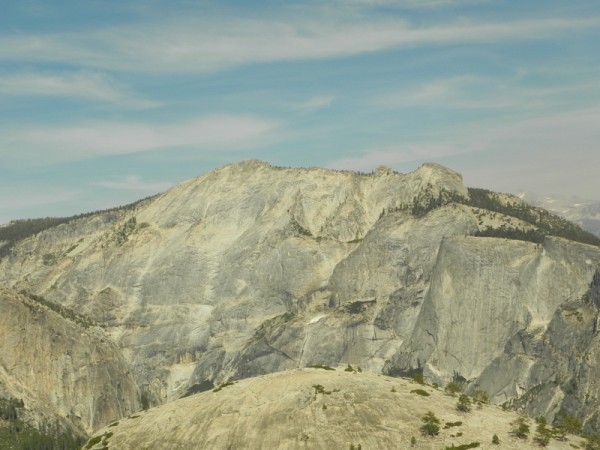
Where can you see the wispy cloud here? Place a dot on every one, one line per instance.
(82, 85)
(135, 183)
(315, 103)
(22, 198)
(407, 4)
(530, 154)
(479, 92)
(45, 145)
(401, 154)
(441, 93)
(200, 46)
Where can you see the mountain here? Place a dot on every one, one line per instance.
(253, 269)
(319, 409)
(586, 213)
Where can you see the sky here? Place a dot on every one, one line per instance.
(103, 102)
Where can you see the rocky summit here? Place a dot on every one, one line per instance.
(253, 269)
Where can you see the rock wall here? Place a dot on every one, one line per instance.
(63, 372)
(252, 269)
(182, 282)
(495, 316)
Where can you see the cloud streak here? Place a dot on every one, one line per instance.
(401, 154)
(407, 4)
(197, 46)
(135, 183)
(79, 85)
(492, 93)
(530, 154)
(315, 103)
(85, 141)
(24, 197)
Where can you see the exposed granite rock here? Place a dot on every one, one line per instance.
(66, 374)
(493, 317)
(252, 269)
(595, 289)
(316, 409)
(182, 282)
(556, 371)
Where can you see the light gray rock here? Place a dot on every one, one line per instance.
(492, 317)
(64, 372)
(190, 275)
(252, 269)
(316, 409)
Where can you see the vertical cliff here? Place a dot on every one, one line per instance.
(65, 372)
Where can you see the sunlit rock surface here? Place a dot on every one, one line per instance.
(252, 269)
(64, 372)
(316, 409)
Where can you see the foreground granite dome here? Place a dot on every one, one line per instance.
(316, 409)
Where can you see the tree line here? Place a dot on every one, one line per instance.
(20, 229)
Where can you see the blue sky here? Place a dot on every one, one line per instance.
(105, 102)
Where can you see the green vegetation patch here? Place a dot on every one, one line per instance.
(548, 224)
(352, 369)
(453, 388)
(520, 428)
(464, 446)
(320, 366)
(422, 392)
(359, 306)
(320, 389)
(18, 435)
(298, 229)
(93, 441)
(9, 408)
(21, 436)
(418, 378)
(271, 324)
(18, 230)
(96, 439)
(206, 385)
(67, 313)
(431, 424)
(464, 403)
(223, 385)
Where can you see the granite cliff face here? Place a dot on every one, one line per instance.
(69, 375)
(253, 269)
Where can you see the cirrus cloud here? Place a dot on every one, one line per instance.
(199, 46)
(57, 144)
(134, 183)
(81, 85)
